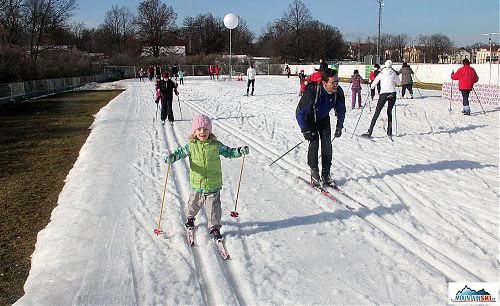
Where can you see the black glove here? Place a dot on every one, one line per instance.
(308, 135)
(338, 132)
(243, 150)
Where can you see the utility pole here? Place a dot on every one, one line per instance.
(380, 5)
(491, 54)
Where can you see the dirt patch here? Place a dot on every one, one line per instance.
(39, 143)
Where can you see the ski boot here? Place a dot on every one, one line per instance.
(328, 180)
(215, 232)
(189, 223)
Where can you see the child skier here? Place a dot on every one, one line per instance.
(356, 81)
(205, 174)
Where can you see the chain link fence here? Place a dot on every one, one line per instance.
(18, 91)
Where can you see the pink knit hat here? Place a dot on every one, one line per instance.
(201, 121)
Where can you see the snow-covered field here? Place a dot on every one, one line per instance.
(432, 214)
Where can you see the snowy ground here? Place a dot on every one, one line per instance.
(431, 217)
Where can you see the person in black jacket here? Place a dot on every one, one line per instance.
(167, 88)
(322, 65)
(313, 117)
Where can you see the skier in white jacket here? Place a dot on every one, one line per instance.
(251, 77)
(388, 79)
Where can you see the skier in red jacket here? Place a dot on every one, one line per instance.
(466, 77)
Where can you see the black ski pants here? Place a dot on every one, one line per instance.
(248, 85)
(372, 90)
(384, 97)
(324, 132)
(404, 87)
(166, 108)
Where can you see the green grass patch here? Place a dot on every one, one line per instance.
(39, 143)
(433, 86)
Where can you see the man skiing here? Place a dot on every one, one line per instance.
(313, 117)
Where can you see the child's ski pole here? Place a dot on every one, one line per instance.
(234, 213)
(158, 231)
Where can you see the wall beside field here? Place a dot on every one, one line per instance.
(425, 73)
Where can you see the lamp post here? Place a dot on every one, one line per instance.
(231, 22)
(491, 54)
(380, 5)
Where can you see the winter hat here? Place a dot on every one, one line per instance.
(165, 75)
(201, 121)
(388, 63)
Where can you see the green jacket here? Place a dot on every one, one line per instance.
(205, 174)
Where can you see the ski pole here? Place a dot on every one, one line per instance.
(451, 94)
(158, 231)
(369, 92)
(156, 116)
(479, 101)
(180, 110)
(287, 152)
(395, 117)
(359, 118)
(234, 213)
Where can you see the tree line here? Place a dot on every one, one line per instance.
(29, 30)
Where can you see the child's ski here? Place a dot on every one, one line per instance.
(190, 236)
(222, 249)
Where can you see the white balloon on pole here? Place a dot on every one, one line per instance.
(231, 21)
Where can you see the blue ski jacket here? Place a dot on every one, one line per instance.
(326, 102)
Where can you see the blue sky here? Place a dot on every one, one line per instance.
(463, 21)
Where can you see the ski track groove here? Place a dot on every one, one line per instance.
(398, 235)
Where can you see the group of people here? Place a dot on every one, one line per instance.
(320, 97)
(214, 72)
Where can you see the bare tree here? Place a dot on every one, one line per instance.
(155, 20)
(435, 45)
(297, 18)
(400, 43)
(43, 15)
(119, 23)
(11, 21)
(204, 34)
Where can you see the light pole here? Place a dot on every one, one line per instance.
(491, 54)
(231, 22)
(380, 5)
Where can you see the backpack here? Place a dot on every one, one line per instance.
(162, 86)
(311, 80)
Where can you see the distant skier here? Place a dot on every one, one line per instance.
(466, 76)
(388, 78)
(313, 117)
(181, 74)
(287, 71)
(217, 71)
(373, 75)
(167, 88)
(175, 71)
(151, 73)
(158, 72)
(406, 80)
(322, 65)
(251, 77)
(356, 81)
(302, 78)
(141, 75)
(205, 174)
